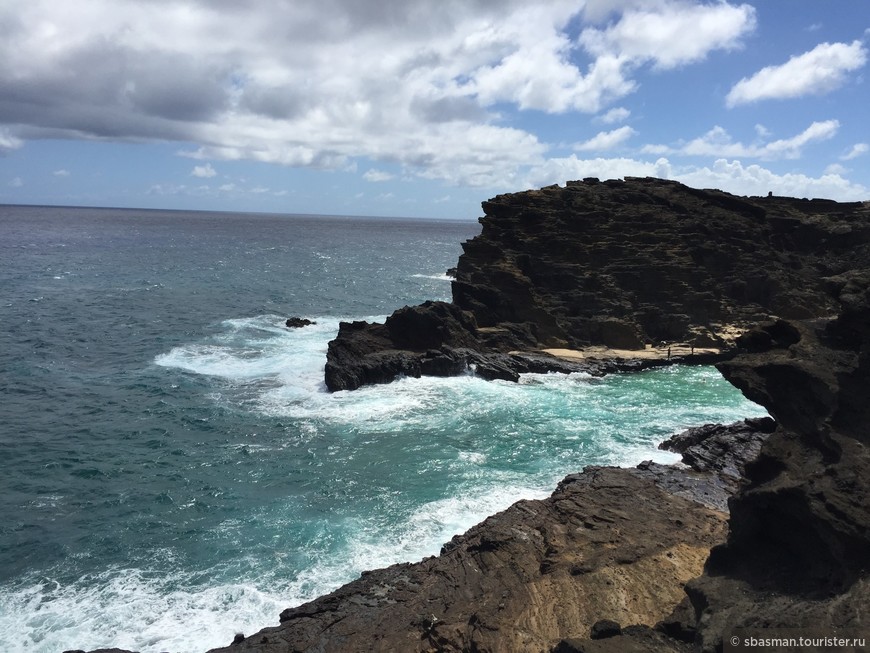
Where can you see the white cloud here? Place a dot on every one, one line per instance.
(168, 189)
(204, 172)
(559, 170)
(16, 182)
(734, 177)
(606, 140)
(730, 176)
(672, 34)
(816, 72)
(858, 149)
(8, 141)
(718, 143)
(377, 175)
(61, 173)
(412, 82)
(616, 114)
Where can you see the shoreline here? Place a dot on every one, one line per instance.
(514, 581)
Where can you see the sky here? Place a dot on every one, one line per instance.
(423, 107)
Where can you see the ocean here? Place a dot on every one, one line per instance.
(174, 470)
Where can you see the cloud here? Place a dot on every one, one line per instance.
(16, 182)
(377, 175)
(558, 170)
(617, 114)
(61, 173)
(8, 142)
(858, 149)
(734, 177)
(606, 140)
(717, 142)
(417, 84)
(204, 172)
(819, 71)
(672, 34)
(167, 189)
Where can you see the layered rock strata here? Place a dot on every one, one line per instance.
(609, 542)
(623, 264)
(798, 550)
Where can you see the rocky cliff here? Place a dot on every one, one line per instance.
(610, 543)
(624, 264)
(798, 549)
(783, 286)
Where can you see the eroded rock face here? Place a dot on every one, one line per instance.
(798, 550)
(619, 264)
(798, 554)
(609, 543)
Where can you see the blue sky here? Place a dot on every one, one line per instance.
(418, 108)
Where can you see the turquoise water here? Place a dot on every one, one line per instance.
(174, 471)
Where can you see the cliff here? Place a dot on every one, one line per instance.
(779, 289)
(609, 543)
(622, 264)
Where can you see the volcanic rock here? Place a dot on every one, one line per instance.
(798, 553)
(298, 322)
(725, 450)
(621, 264)
(609, 543)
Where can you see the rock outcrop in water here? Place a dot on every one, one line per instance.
(624, 264)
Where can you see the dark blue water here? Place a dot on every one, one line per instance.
(173, 470)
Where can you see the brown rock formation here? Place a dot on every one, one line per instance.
(607, 543)
(798, 551)
(621, 264)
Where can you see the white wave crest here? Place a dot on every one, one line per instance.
(131, 609)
